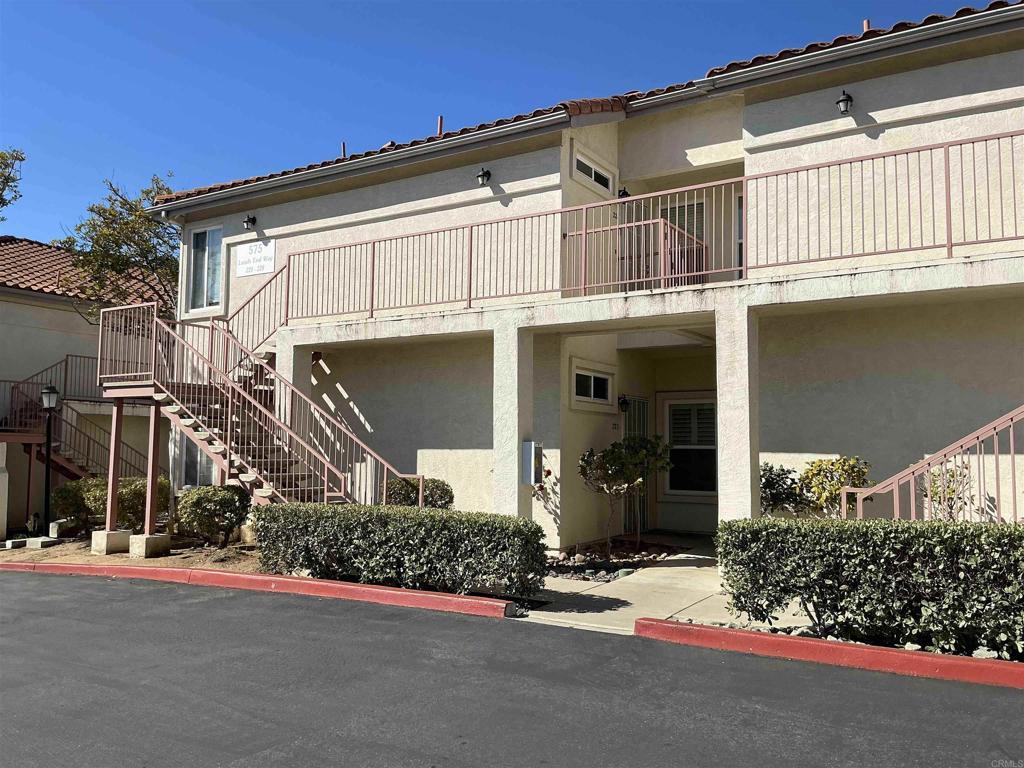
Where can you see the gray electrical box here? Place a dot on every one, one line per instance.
(533, 462)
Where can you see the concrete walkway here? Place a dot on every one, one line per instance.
(680, 587)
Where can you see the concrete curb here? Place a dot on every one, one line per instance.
(1009, 674)
(292, 585)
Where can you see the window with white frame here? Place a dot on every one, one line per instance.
(593, 386)
(593, 172)
(205, 269)
(691, 428)
(196, 467)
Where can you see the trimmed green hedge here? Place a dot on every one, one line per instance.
(402, 546)
(946, 586)
(437, 494)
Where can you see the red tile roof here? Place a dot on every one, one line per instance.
(33, 266)
(577, 107)
(870, 34)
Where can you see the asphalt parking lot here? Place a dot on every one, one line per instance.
(101, 673)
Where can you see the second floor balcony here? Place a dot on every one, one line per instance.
(942, 200)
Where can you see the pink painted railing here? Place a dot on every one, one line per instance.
(281, 437)
(941, 198)
(366, 473)
(74, 377)
(980, 478)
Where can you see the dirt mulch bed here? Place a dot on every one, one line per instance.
(185, 553)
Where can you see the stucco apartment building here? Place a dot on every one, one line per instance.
(46, 339)
(812, 253)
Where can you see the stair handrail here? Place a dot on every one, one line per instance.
(933, 460)
(131, 458)
(226, 380)
(222, 327)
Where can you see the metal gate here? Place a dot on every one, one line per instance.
(634, 509)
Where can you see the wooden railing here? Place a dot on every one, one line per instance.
(980, 478)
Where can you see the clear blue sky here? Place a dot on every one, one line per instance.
(220, 90)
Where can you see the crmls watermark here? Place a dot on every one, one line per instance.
(1002, 763)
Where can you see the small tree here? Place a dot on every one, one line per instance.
(620, 468)
(822, 481)
(10, 177)
(120, 248)
(950, 492)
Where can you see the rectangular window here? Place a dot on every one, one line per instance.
(594, 173)
(593, 386)
(206, 260)
(196, 467)
(692, 446)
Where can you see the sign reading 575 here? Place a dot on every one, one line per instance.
(255, 258)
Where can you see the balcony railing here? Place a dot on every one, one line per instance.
(942, 198)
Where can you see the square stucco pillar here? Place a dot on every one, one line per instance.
(295, 365)
(736, 363)
(513, 417)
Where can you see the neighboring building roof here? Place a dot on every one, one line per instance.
(574, 108)
(33, 266)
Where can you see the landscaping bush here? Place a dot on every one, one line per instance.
(947, 586)
(820, 484)
(779, 491)
(402, 546)
(213, 512)
(131, 499)
(437, 494)
(67, 501)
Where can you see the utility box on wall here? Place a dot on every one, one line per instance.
(532, 463)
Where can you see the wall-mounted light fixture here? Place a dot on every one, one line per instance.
(484, 177)
(844, 103)
(249, 222)
(623, 192)
(623, 403)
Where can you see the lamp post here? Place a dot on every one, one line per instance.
(50, 396)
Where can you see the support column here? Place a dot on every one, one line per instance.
(111, 540)
(150, 543)
(513, 417)
(295, 365)
(736, 363)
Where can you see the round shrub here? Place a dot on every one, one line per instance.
(213, 512)
(437, 494)
(67, 502)
(131, 500)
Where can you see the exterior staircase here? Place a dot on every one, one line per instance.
(79, 447)
(258, 429)
(979, 477)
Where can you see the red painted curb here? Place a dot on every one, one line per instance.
(964, 669)
(292, 585)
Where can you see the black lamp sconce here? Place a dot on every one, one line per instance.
(623, 403)
(844, 103)
(249, 222)
(484, 177)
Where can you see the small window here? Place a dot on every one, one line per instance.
(692, 447)
(591, 171)
(592, 386)
(204, 269)
(196, 467)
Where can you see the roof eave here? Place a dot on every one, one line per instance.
(829, 56)
(531, 124)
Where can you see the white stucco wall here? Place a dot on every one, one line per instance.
(36, 332)
(889, 384)
(520, 184)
